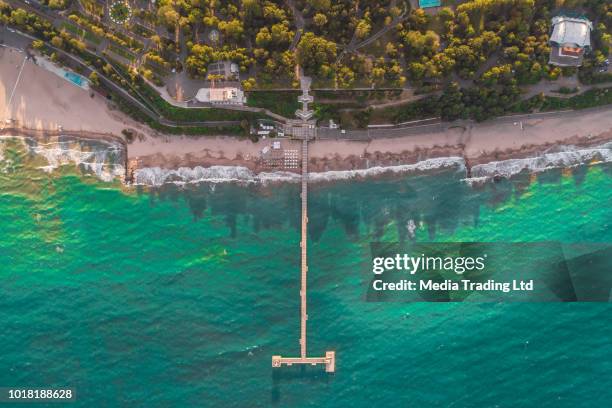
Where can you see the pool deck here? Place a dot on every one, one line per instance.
(61, 72)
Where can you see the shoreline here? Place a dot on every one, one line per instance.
(178, 160)
(477, 144)
(47, 106)
(569, 157)
(84, 150)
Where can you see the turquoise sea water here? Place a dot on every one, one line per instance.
(180, 296)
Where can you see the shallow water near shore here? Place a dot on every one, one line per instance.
(179, 296)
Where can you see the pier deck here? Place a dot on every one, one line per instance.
(304, 130)
(330, 356)
(329, 361)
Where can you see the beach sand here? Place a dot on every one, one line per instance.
(42, 100)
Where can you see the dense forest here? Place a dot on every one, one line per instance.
(473, 57)
(490, 40)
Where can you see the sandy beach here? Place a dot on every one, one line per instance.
(42, 100)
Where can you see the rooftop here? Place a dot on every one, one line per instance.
(566, 57)
(571, 31)
(220, 95)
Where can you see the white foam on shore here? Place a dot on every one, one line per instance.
(96, 161)
(425, 165)
(156, 176)
(4, 162)
(99, 161)
(566, 156)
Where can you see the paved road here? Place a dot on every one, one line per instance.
(13, 39)
(298, 19)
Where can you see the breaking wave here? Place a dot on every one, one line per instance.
(100, 158)
(104, 160)
(566, 156)
(425, 165)
(156, 176)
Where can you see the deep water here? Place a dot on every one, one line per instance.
(179, 296)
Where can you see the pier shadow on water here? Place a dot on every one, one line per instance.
(284, 377)
(440, 200)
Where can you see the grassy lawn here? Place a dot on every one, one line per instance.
(135, 113)
(588, 99)
(157, 70)
(373, 96)
(93, 7)
(133, 43)
(356, 115)
(122, 52)
(79, 32)
(143, 31)
(283, 103)
(425, 108)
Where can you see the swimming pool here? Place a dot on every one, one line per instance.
(429, 3)
(74, 78)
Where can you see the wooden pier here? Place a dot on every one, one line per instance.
(305, 129)
(329, 361)
(330, 356)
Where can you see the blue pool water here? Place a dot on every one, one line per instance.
(74, 78)
(429, 3)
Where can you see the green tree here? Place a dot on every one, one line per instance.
(452, 106)
(19, 17)
(345, 77)
(281, 34)
(320, 5)
(57, 4)
(363, 29)
(263, 37)
(251, 8)
(249, 84)
(197, 62)
(168, 16)
(57, 42)
(417, 44)
(320, 19)
(232, 28)
(315, 52)
(93, 77)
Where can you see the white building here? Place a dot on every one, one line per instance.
(225, 95)
(570, 39)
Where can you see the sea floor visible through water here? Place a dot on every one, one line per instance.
(179, 295)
